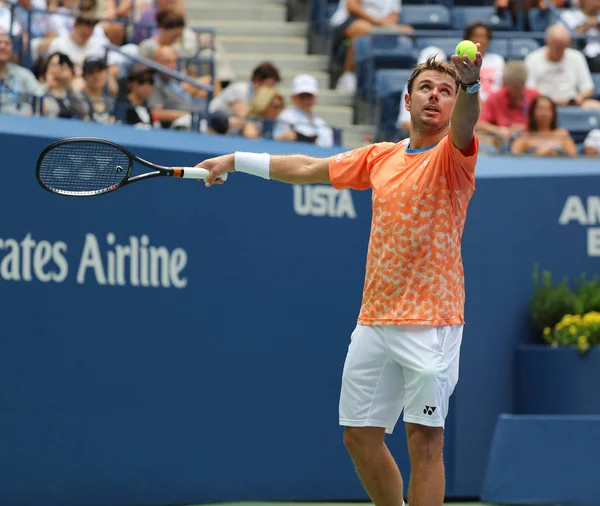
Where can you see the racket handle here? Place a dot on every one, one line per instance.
(194, 173)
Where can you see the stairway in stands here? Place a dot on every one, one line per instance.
(254, 31)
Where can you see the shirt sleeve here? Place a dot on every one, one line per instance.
(352, 169)
(530, 61)
(462, 166)
(583, 71)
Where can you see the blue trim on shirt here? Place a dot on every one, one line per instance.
(422, 150)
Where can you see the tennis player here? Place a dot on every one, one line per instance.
(404, 351)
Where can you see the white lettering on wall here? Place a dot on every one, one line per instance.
(104, 261)
(322, 200)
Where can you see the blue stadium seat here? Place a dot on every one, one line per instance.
(446, 44)
(578, 121)
(518, 49)
(389, 85)
(596, 79)
(539, 19)
(426, 17)
(463, 16)
(380, 51)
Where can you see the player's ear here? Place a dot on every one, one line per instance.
(407, 101)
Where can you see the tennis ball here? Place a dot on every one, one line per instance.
(466, 47)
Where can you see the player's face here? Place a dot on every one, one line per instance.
(431, 100)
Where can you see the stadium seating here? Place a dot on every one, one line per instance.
(463, 16)
(383, 51)
(596, 79)
(427, 17)
(389, 85)
(578, 121)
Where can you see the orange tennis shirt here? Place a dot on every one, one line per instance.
(414, 273)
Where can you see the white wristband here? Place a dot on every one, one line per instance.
(256, 164)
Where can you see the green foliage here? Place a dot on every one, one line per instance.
(550, 303)
(566, 317)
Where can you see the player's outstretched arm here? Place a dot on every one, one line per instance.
(293, 169)
(467, 107)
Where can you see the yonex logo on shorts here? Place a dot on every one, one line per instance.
(429, 410)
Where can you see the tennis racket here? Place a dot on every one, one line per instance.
(86, 167)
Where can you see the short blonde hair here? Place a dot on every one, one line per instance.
(515, 71)
(262, 99)
(432, 64)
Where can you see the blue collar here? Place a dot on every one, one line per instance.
(422, 150)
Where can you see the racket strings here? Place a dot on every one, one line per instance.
(85, 166)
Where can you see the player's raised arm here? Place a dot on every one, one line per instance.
(467, 107)
(293, 169)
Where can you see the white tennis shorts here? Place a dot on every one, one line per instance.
(393, 368)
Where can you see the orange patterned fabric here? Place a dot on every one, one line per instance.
(414, 272)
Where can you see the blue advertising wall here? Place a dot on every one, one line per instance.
(210, 369)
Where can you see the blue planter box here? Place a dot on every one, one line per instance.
(557, 381)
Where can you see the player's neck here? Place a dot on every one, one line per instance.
(420, 139)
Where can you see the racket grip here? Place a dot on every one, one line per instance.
(195, 173)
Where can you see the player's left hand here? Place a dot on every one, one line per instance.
(468, 70)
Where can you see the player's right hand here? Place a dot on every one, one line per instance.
(217, 167)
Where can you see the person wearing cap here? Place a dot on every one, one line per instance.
(101, 104)
(135, 111)
(307, 126)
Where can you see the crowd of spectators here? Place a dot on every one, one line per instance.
(70, 74)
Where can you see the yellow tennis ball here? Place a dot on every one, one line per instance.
(466, 47)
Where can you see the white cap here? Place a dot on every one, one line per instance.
(305, 83)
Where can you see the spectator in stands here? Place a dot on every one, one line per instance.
(491, 69)
(79, 44)
(100, 103)
(265, 108)
(504, 114)
(41, 34)
(136, 111)
(6, 17)
(560, 72)
(403, 122)
(18, 85)
(61, 100)
(543, 136)
(235, 99)
(173, 32)
(356, 18)
(304, 123)
(586, 20)
(148, 17)
(591, 144)
(169, 101)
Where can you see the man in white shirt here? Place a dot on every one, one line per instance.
(307, 126)
(79, 44)
(235, 99)
(356, 18)
(18, 85)
(586, 20)
(560, 72)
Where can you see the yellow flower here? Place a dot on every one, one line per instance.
(582, 343)
(547, 331)
(573, 330)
